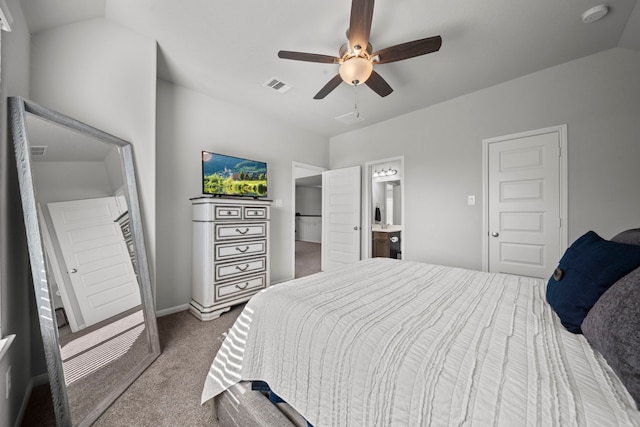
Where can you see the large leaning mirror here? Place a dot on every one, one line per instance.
(88, 259)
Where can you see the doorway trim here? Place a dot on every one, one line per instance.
(367, 210)
(561, 130)
(311, 169)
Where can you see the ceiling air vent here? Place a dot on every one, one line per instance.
(38, 151)
(277, 85)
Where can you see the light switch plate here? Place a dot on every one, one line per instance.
(471, 200)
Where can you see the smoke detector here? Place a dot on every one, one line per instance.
(595, 13)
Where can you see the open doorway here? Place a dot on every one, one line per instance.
(384, 209)
(307, 202)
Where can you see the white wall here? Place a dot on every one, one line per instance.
(65, 181)
(189, 122)
(103, 74)
(598, 97)
(15, 275)
(309, 200)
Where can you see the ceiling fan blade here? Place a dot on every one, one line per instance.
(408, 50)
(360, 23)
(309, 57)
(378, 84)
(326, 90)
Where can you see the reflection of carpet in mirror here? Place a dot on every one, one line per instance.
(307, 258)
(108, 351)
(96, 349)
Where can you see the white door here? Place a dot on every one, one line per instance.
(525, 202)
(340, 217)
(96, 257)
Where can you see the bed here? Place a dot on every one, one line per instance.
(389, 342)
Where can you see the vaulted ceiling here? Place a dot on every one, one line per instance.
(228, 50)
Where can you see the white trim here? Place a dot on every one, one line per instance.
(366, 211)
(300, 165)
(564, 189)
(171, 310)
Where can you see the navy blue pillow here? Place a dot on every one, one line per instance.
(586, 270)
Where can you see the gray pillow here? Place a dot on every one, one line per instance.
(630, 237)
(612, 326)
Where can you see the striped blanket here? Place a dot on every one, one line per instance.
(398, 343)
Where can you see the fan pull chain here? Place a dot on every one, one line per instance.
(355, 97)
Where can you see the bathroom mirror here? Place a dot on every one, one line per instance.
(88, 259)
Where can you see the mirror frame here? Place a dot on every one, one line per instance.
(18, 110)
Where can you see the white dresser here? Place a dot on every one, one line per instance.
(230, 253)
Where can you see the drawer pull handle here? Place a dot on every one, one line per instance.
(242, 287)
(246, 266)
(228, 212)
(246, 230)
(246, 248)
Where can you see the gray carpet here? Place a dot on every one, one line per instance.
(307, 258)
(168, 392)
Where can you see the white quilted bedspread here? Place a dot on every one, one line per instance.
(398, 343)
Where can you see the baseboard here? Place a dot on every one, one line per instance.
(276, 282)
(33, 383)
(171, 310)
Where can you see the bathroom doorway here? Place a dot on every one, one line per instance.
(384, 209)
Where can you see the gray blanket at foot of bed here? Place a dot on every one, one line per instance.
(240, 406)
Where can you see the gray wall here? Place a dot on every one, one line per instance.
(189, 122)
(15, 276)
(598, 97)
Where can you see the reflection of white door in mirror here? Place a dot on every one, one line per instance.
(96, 257)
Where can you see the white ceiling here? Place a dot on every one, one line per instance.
(228, 50)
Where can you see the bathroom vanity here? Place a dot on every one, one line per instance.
(386, 241)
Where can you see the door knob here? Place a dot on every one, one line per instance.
(495, 234)
(355, 228)
(74, 270)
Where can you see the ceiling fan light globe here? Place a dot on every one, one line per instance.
(355, 71)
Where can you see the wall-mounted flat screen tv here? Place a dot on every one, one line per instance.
(233, 176)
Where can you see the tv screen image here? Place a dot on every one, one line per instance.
(233, 176)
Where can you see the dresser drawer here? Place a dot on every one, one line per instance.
(228, 212)
(244, 249)
(240, 288)
(255, 212)
(237, 268)
(239, 231)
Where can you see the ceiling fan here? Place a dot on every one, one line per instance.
(356, 58)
